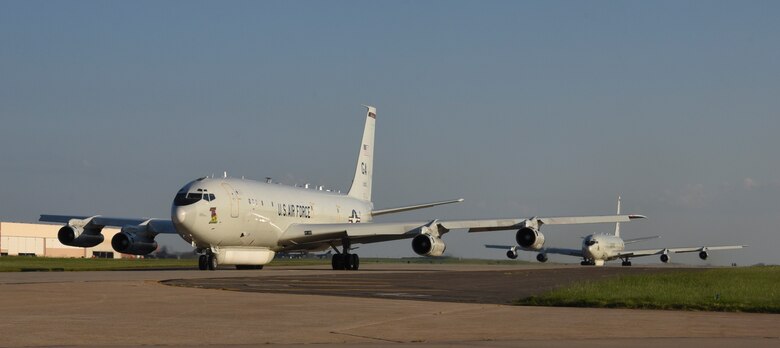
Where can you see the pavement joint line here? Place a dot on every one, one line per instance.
(366, 337)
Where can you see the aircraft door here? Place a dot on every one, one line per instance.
(234, 199)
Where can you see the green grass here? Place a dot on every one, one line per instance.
(749, 289)
(43, 264)
(50, 264)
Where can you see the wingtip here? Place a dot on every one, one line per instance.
(631, 217)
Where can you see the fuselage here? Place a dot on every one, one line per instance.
(245, 213)
(602, 247)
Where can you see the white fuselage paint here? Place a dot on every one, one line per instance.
(602, 247)
(247, 213)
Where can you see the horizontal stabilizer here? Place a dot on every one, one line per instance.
(412, 207)
(634, 240)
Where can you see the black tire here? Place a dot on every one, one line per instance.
(355, 262)
(337, 261)
(212, 262)
(348, 261)
(203, 262)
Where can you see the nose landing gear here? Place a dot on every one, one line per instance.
(207, 261)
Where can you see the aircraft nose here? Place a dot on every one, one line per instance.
(184, 217)
(180, 215)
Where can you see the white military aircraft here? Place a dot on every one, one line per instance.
(244, 222)
(599, 248)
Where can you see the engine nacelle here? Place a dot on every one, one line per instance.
(541, 257)
(428, 245)
(84, 237)
(703, 255)
(512, 254)
(129, 242)
(664, 258)
(530, 238)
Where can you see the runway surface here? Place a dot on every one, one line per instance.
(371, 307)
(477, 286)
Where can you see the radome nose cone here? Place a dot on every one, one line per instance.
(181, 215)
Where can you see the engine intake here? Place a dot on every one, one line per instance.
(84, 237)
(530, 239)
(664, 258)
(428, 245)
(703, 255)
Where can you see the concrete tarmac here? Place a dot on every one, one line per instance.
(133, 308)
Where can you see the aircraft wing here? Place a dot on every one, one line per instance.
(648, 252)
(154, 225)
(312, 236)
(513, 224)
(412, 207)
(562, 251)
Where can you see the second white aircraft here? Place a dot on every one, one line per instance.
(599, 248)
(244, 222)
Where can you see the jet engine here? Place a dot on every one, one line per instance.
(428, 245)
(664, 258)
(703, 255)
(529, 238)
(133, 240)
(511, 253)
(541, 257)
(85, 236)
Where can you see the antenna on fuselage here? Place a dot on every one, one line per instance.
(224, 174)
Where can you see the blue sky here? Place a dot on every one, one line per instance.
(523, 108)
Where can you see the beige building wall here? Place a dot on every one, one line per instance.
(41, 240)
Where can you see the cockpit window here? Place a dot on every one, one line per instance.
(590, 242)
(183, 198)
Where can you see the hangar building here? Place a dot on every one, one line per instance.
(41, 240)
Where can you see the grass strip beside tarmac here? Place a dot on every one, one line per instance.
(51, 264)
(745, 289)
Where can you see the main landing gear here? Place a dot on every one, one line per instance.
(344, 260)
(587, 263)
(626, 262)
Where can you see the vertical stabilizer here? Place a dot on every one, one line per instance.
(361, 182)
(617, 224)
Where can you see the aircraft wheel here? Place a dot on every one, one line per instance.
(354, 262)
(337, 261)
(203, 262)
(348, 261)
(212, 262)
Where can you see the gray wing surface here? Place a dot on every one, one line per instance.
(562, 251)
(512, 224)
(648, 252)
(313, 236)
(154, 225)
